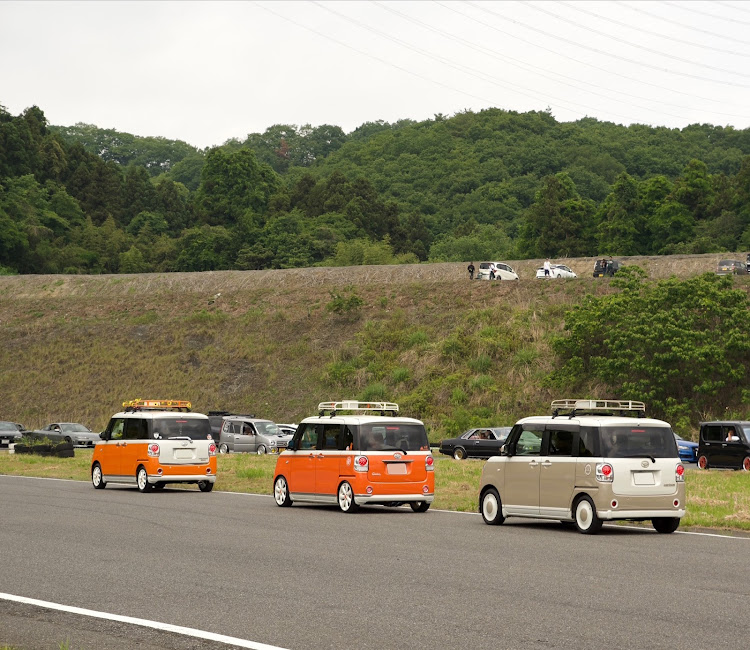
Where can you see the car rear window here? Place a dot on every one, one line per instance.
(638, 442)
(385, 437)
(193, 428)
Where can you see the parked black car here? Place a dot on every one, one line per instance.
(476, 443)
(724, 444)
(604, 267)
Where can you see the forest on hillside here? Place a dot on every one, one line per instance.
(493, 184)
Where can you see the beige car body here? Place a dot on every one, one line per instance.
(551, 486)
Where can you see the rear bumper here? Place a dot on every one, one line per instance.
(363, 499)
(640, 514)
(182, 478)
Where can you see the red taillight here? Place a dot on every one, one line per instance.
(429, 463)
(605, 473)
(212, 449)
(361, 464)
(153, 449)
(362, 461)
(679, 473)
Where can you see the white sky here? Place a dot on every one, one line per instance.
(205, 72)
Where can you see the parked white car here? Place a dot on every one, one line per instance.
(557, 271)
(496, 271)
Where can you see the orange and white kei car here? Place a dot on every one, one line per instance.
(353, 460)
(155, 442)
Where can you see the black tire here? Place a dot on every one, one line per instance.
(205, 486)
(702, 462)
(586, 519)
(223, 448)
(141, 479)
(346, 498)
(261, 450)
(97, 478)
(281, 492)
(459, 453)
(69, 440)
(665, 525)
(420, 506)
(491, 507)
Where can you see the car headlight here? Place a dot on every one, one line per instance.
(272, 443)
(682, 447)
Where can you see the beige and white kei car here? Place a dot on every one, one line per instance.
(590, 461)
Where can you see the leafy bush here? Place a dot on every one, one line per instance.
(678, 345)
(341, 304)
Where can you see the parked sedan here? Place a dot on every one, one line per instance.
(9, 433)
(687, 449)
(476, 443)
(556, 271)
(78, 434)
(731, 267)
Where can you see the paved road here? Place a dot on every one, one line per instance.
(314, 578)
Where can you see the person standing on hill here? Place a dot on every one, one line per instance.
(470, 269)
(547, 269)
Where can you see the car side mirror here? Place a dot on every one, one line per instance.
(103, 435)
(292, 445)
(505, 451)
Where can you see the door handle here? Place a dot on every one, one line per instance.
(547, 463)
(533, 463)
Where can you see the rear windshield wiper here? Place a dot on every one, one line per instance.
(403, 451)
(651, 458)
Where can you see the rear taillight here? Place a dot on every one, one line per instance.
(153, 449)
(361, 464)
(429, 463)
(605, 473)
(679, 474)
(212, 449)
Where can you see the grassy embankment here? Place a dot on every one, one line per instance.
(715, 499)
(451, 352)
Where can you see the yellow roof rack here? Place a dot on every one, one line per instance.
(157, 404)
(354, 405)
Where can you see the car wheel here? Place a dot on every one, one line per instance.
(346, 498)
(141, 478)
(420, 506)
(702, 462)
(69, 440)
(97, 478)
(223, 448)
(459, 453)
(281, 492)
(491, 508)
(205, 486)
(261, 450)
(586, 519)
(665, 525)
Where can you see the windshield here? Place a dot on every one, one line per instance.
(8, 426)
(74, 428)
(268, 428)
(394, 435)
(193, 428)
(638, 442)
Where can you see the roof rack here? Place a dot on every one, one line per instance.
(354, 405)
(573, 407)
(156, 405)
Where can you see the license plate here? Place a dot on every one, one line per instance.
(5, 441)
(643, 478)
(183, 453)
(395, 468)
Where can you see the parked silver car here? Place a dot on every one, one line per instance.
(78, 434)
(9, 433)
(240, 433)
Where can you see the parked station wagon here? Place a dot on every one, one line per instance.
(244, 433)
(589, 462)
(374, 457)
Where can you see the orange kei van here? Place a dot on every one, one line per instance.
(155, 442)
(373, 457)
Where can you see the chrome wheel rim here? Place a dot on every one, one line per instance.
(279, 491)
(97, 475)
(345, 497)
(142, 479)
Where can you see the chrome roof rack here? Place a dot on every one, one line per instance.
(354, 405)
(574, 407)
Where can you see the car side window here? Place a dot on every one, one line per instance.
(712, 433)
(560, 443)
(331, 438)
(529, 443)
(135, 429)
(587, 443)
(116, 431)
(308, 436)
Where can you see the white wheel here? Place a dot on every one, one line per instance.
(587, 521)
(281, 492)
(491, 509)
(97, 478)
(223, 448)
(261, 450)
(346, 498)
(459, 453)
(142, 480)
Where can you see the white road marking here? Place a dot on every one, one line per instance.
(164, 627)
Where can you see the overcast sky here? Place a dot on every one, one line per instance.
(205, 72)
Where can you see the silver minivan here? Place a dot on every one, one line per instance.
(590, 461)
(240, 433)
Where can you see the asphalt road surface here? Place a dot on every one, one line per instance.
(311, 577)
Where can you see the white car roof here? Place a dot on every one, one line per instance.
(594, 420)
(151, 414)
(361, 419)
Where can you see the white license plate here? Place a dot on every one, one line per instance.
(643, 478)
(395, 468)
(183, 453)
(5, 441)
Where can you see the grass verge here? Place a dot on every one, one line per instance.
(715, 499)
